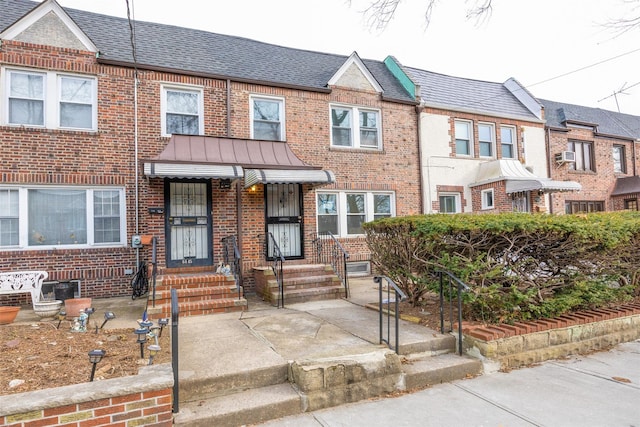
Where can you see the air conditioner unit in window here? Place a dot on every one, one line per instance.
(566, 157)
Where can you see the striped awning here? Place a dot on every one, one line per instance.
(192, 170)
(288, 176)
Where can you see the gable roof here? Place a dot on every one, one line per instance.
(196, 52)
(606, 122)
(462, 94)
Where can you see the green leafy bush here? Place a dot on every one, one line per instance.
(518, 266)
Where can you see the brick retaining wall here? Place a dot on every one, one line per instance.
(524, 343)
(141, 400)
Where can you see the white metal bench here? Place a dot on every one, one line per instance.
(17, 282)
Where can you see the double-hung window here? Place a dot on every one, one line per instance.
(486, 134)
(355, 127)
(619, 161)
(343, 213)
(449, 203)
(267, 119)
(487, 199)
(464, 141)
(182, 111)
(53, 217)
(508, 142)
(584, 155)
(50, 100)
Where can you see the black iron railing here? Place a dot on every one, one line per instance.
(393, 296)
(460, 287)
(328, 250)
(175, 315)
(273, 252)
(232, 258)
(154, 266)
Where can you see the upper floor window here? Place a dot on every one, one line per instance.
(463, 138)
(343, 213)
(486, 134)
(508, 142)
(584, 155)
(487, 199)
(619, 161)
(53, 217)
(50, 100)
(182, 111)
(355, 127)
(267, 119)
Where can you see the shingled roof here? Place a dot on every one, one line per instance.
(459, 93)
(607, 122)
(185, 50)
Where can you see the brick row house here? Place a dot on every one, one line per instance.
(482, 146)
(598, 149)
(190, 137)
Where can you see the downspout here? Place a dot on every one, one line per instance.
(238, 185)
(136, 165)
(633, 154)
(421, 181)
(548, 151)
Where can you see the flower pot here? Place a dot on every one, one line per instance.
(45, 309)
(73, 306)
(8, 314)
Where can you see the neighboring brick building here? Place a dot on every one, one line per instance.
(196, 137)
(482, 145)
(596, 148)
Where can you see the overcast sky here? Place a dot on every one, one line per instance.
(534, 41)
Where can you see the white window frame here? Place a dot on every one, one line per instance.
(52, 91)
(23, 218)
(355, 126)
(484, 197)
(492, 141)
(469, 125)
(341, 198)
(619, 163)
(457, 202)
(180, 88)
(281, 102)
(514, 142)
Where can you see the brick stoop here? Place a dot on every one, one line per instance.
(198, 293)
(524, 343)
(302, 283)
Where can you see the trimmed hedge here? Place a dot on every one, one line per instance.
(519, 266)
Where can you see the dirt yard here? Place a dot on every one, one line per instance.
(39, 356)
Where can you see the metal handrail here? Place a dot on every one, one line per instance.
(175, 315)
(328, 250)
(154, 266)
(276, 264)
(460, 287)
(398, 296)
(230, 246)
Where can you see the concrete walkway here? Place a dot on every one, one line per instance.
(602, 389)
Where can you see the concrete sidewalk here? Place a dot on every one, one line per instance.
(602, 389)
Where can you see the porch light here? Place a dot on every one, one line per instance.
(153, 350)
(142, 339)
(95, 356)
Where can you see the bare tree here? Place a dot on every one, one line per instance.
(379, 13)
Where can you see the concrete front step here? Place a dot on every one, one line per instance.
(421, 371)
(247, 407)
(319, 293)
(292, 283)
(193, 294)
(198, 308)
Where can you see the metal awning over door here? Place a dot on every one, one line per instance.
(287, 176)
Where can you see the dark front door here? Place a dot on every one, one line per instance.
(284, 218)
(188, 223)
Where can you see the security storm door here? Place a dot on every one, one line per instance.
(188, 223)
(284, 218)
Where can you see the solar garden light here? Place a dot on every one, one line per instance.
(163, 322)
(142, 338)
(95, 356)
(154, 333)
(153, 350)
(146, 324)
(60, 316)
(108, 315)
